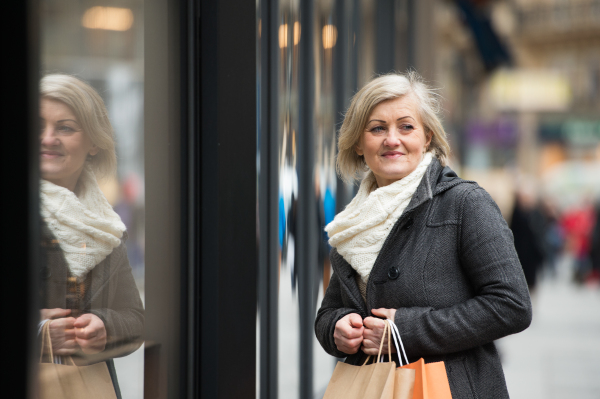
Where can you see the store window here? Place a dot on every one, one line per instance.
(92, 197)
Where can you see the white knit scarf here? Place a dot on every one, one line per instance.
(359, 231)
(85, 225)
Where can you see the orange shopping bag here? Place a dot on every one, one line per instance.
(431, 380)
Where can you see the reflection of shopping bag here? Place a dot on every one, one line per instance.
(381, 380)
(61, 381)
(430, 379)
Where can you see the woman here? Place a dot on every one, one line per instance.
(89, 295)
(419, 246)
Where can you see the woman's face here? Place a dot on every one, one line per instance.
(64, 145)
(394, 140)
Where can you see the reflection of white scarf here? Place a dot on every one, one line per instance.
(359, 231)
(86, 226)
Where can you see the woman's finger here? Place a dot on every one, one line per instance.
(352, 333)
(373, 323)
(86, 332)
(384, 313)
(83, 321)
(54, 313)
(355, 320)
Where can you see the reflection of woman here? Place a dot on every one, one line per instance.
(89, 295)
(418, 245)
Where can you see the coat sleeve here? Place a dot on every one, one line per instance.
(119, 304)
(332, 309)
(500, 306)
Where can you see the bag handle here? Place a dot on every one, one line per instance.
(47, 342)
(380, 355)
(387, 329)
(397, 339)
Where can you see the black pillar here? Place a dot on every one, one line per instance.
(228, 199)
(19, 199)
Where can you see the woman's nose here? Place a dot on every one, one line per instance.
(392, 139)
(47, 136)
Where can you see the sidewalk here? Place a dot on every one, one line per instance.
(558, 356)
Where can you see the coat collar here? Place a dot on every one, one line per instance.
(436, 180)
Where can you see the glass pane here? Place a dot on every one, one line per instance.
(92, 190)
(325, 42)
(288, 313)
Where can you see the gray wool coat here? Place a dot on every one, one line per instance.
(450, 269)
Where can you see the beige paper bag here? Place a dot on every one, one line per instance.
(372, 381)
(62, 381)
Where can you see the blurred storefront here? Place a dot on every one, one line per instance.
(533, 118)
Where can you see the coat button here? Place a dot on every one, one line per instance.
(393, 272)
(409, 223)
(46, 273)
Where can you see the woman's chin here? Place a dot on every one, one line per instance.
(391, 176)
(52, 176)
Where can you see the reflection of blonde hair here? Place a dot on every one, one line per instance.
(383, 88)
(91, 113)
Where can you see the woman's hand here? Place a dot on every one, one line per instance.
(90, 333)
(348, 334)
(373, 332)
(61, 329)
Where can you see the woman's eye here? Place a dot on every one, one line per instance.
(378, 129)
(65, 129)
(406, 128)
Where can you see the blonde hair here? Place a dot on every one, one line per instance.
(388, 87)
(91, 113)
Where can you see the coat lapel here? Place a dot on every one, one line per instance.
(346, 274)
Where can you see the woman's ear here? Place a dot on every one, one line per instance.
(94, 150)
(428, 137)
(358, 149)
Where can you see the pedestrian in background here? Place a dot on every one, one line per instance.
(527, 227)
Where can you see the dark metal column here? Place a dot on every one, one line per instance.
(384, 34)
(190, 360)
(228, 199)
(19, 199)
(267, 199)
(308, 231)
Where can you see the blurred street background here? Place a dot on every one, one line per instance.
(557, 357)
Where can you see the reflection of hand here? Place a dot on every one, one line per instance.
(49, 314)
(62, 335)
(348, 334)
(90, 333)
(374, 332)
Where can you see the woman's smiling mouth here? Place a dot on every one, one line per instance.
(51, 154)
(392, 154)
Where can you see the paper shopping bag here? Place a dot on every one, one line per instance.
(69, 381)
(431, 380)
(372, 381)
(369, 381)
(404, 383)
(60, 381)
